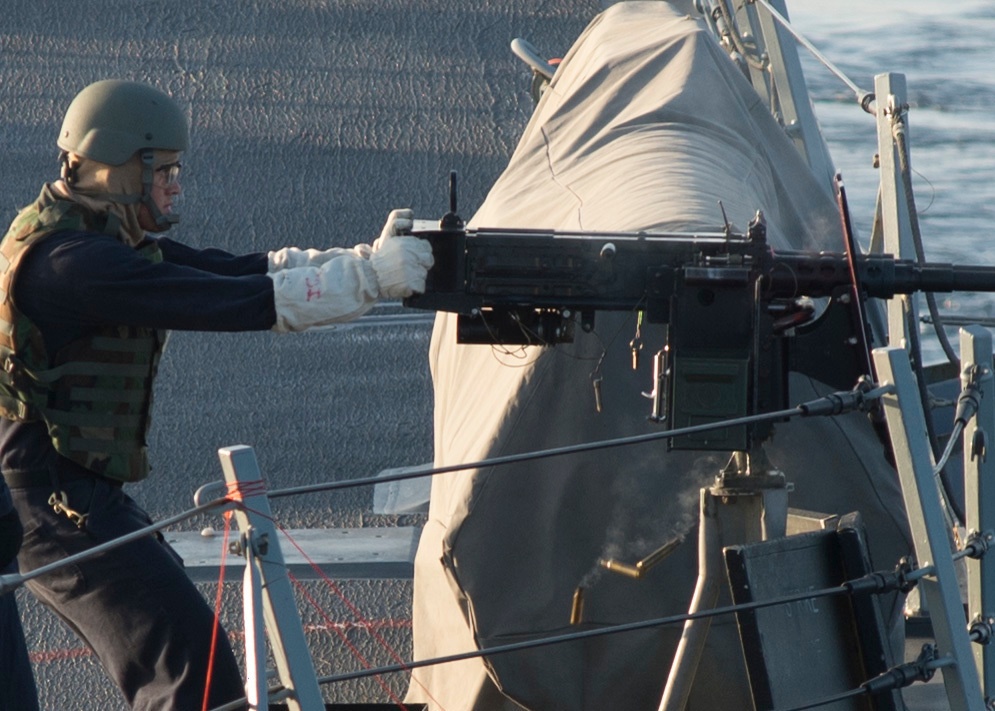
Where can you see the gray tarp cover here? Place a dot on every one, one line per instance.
(646, 126)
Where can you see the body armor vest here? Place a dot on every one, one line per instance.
(95, 394)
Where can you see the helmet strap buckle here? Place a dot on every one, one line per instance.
(67, 171)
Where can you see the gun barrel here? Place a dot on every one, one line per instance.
(591, 271)
(880, 275)
(955, 277)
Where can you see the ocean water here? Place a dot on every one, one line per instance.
(943, 49)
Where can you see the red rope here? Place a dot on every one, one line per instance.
(342, 635)
(217, 611)
(237, 492)
(358, 615)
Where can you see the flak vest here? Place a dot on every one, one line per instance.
(95, 394)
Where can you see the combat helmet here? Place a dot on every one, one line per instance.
(109, 121)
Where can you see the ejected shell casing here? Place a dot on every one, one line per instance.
(659, 554)
(577, 609)
(617, 566)
(639, 569)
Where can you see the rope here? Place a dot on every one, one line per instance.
(238, 490)
(342, 636)
(217, 611)
(355, 612)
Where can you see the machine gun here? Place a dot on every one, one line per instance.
(738, 314)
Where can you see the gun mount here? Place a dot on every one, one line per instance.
(738, 314)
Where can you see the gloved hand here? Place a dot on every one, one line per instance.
(398, 222)
(10, 537)
(314, 288)
(339, 290)
(401, 262)
(294, 258)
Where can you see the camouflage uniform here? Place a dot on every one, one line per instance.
(134, 606)
(95, 394)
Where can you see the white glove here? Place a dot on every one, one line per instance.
(399, 222)
(401, 264)
(294, 258)
(343, 288)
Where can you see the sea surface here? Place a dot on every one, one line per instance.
(943, 49)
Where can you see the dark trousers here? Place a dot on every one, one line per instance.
(134, 605)
(17, 683)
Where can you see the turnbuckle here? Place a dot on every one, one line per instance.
(60, 504)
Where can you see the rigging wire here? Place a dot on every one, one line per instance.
(14, 580)
(955, 434)
(418, 472)
(601, 631)
(831, 404)
(922, 669)
(898, 133)
(847, 588)
(864, 98)
(953, 513)
(901, 142)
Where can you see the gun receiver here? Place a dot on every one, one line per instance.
(734, 310)
(603, 271)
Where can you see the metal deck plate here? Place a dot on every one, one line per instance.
(342, 553)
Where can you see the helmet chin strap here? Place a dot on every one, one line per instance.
(162, 222)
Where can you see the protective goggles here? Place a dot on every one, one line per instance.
(170, 172)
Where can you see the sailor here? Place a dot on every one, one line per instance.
(17, 683)
(88, 296)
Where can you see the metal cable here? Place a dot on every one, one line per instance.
(863, 97)
(955, 434)
(15, 580)
(585, 634)
(418, 472)
(905, 170)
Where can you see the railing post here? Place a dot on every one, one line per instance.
(893, 203)
(979, 495)
(914, 461)
(261, 548)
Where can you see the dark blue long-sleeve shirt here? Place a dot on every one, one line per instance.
(74, 282)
